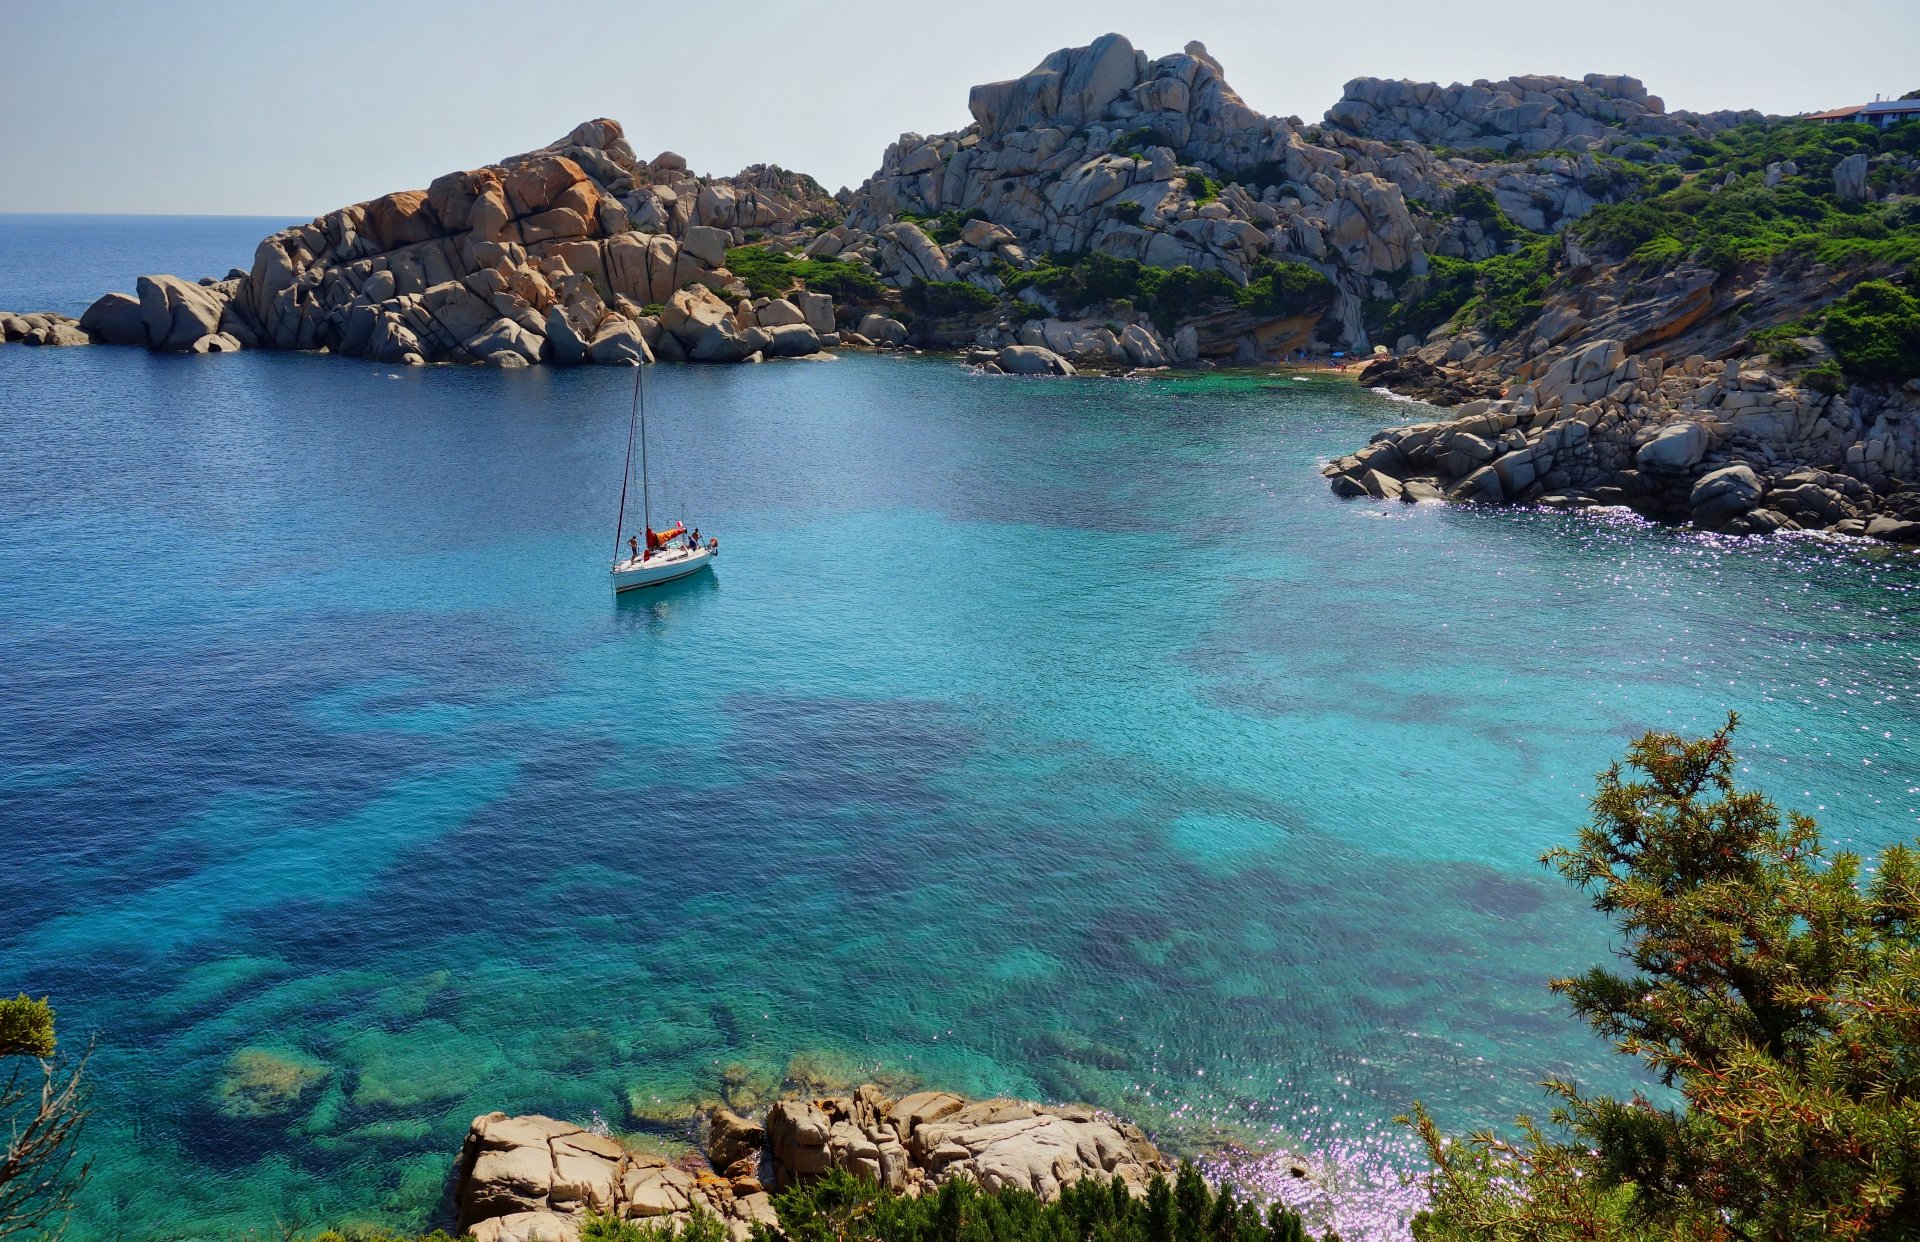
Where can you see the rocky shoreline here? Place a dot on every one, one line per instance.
(1114, 211)
(1729, 446)
(534, 1178)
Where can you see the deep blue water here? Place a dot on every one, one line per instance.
(1061, 739)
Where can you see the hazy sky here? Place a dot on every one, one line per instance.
(283, 109)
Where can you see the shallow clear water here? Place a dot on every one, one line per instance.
(1060, 739)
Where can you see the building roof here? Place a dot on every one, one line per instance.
(1834, 114)
(1883, 106)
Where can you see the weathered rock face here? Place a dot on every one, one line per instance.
(527, 1178)
(547, 256)
(1102, 148)
(1532, 112)
(1731, 448)
(42, 328)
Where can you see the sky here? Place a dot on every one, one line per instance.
(270, 108)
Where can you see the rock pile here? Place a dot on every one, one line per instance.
(41, 328)
(1529, 113)
(532, 1179)
(578, 252)
(1730, 448)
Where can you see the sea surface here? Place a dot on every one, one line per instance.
(1061, 739)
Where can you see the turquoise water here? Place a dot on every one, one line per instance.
(1060, 739)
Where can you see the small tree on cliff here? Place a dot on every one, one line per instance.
(42, 1105)
(1776, 985)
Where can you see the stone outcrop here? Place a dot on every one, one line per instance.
(555, 255)
(532, 1178)
(1105, 149)
(1731, 448)
(42, 328)
(1528, 113)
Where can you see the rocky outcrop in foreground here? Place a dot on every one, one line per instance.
(1729, 447)
(532, 1179)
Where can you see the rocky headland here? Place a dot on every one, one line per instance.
(1623, 302)
(534, 1179)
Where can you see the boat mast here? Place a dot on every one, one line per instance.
(640, 400)
(626, 479)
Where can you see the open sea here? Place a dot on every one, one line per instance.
(1060, 739)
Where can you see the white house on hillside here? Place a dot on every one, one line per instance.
(1881, 112)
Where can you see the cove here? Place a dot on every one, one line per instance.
(1055, 738)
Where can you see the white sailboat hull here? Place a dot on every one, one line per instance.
(666, 566)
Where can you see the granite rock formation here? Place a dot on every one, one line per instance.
(532, 1179)
(1729, 447)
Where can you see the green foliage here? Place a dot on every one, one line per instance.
(1503, 293)
(700, 1226)
(1773, 983)
(1825, 378)
(1286, 289)
(654, 308)
(1875, 331)
(1782, 342)
(1203, 188)
(1128, 211)
(1725, 225)
(771, 274)
(43, 1105)
(1170, 295)
(26, 1027)
(356, 1233)
(1140, 139)
(943, 228)
(844, 1208)
(1477, 203)
(948, 298)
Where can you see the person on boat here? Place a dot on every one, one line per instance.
(713, 545)
(693, 540)
(633, 541)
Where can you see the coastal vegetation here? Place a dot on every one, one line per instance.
(1084, 282)
(771, 273)
(1763, 192)
(841, 1207)
(1771, 982)
(42, 1108)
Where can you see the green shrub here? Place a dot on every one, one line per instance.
(844, 1208)
(1769, 981)
(1203, 188)
(1875, 331)
(1283, 288)
(26, 1027)
(700, 1226)
(772, 274)
(1128, 211)
(1825, 378)
(948, 298)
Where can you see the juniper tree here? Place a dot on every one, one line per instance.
(1774, 984)
(42, 1106)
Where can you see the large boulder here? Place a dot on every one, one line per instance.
(1678, 446)
(619, 343)
(881, 330)
(792, 340)
(176, 312)
(1722, 495)
(115, 319)
(1033, 360)
(1850, 178)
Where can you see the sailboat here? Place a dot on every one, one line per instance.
(653, 556)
